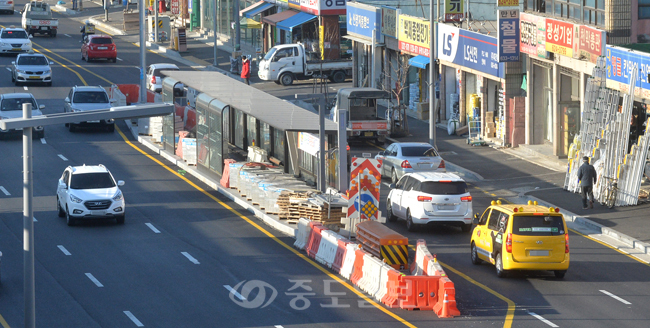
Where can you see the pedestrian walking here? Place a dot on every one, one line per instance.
(246, 69)
(587, 177)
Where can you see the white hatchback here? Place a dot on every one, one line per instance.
(430, 198)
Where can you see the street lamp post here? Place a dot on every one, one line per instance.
(143, 58)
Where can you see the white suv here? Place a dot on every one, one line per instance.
(89, 192)
(430, 198)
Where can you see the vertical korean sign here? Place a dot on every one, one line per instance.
(413, 35)
(533, 35)
(454, 10)
(509, 31)
(389, 21)
(559, 37)
(589, 44)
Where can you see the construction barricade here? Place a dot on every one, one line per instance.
(329, 244)
(339, 257)
(302, 234)
(369, 281)
(383, 243)
(357, 270)
(314, 238)
(348, 261)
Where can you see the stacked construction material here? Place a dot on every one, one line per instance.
(630, 172)
(155, 128)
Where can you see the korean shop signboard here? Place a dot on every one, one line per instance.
(362, 20)
(508, 3)
(533, 35)
(469, 49)
(620, 62)
(413, 35)
(589, 43)
(454, 10)
(559, 37)
(389, 21)
(508, 22)
(323, 7)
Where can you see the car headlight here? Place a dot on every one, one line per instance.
(118, 196)
(20, 71)
(75, 199)
(47, 71)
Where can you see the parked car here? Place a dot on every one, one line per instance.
(98, 46)
(11, 106)
(7, 6)
(154, 78)
(14, 40)
(83, 98)
(430, 198)
(89, 192)
(521, 237)
(408, 157)
(31, 68)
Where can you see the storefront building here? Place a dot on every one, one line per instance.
(363, 23)
(413, 40)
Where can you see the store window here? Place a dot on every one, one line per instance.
(644, 9)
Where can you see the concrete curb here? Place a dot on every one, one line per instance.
(63, 10)
(103, 26)
(269, 220)
(643, 248)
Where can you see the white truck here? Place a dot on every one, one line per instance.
(37, 18)
(288, 62)
(363, 119)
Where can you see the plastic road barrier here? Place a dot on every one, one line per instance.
(314, 238)
(383, 282)
(339, 257)
(446, 304)
(369, 282)
(329, 243)
(357, 271)
(302, 234)
(348, 260)
(384, 243)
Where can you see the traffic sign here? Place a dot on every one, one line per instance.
(175, 7)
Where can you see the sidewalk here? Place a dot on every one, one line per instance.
(632, 228)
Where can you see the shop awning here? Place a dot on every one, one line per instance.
(251, 7)
(249, 23)
(258, 9)
(295, 20)
(419, 62)
(275, 18)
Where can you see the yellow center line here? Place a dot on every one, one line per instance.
(268, 234)
(3, 322)
(73, 64)
(609, 246)
(63, 65)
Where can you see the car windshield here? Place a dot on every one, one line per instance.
(16, 103)
(419, 151)
(270, 53)
(101, 41)
(91, 97)
(444, 188)
(32, 60)
(14, 35)
(91, 181)
(538, 225)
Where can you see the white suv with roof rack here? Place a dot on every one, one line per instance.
(430, 198)
(89, 192)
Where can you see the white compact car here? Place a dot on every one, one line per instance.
(430, 198)
(14, 40)
(89, 192)
(154, 79)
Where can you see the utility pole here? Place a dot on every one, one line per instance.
(143, 46)
(155, 22)
(28, 223)
(433, 76)
(237, 27)
(214, 30)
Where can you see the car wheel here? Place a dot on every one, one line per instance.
(393, 176)
(466, 227)
(286, 79)
(13, 79)
(389, 212)
(59, 210)
(559, 274)
(114, 60)
(338, 77)
(82, 57)
(49, 84)
(69, 219)
(111, 128)
(410, 226)
(499, 266)
(475, 259)
(41, 134)
(16, 83)
(71, 127)
(120, 219)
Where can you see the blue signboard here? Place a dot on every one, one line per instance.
(508, 21)
(362, 21)
(620, 63)
(469, 49)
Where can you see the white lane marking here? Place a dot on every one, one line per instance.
(278, 326)
(25, 87)
(234, 292)
(118, 58)
(64, 250)
(152, 228)
(93, 279)
(35, 220)
(9, 69)
(63, 157)
(4, 191)
(43, 141)
(189, 257)
(615, 297)
(67, 35)
(133, 318)
(542, 319)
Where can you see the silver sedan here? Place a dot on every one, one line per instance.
(407, 157)
(31, 68)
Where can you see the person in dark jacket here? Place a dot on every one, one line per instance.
(246, 69)
(587, 177)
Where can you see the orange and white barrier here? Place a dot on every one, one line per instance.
(369, 282)
(329, 243)
(420, 252)
(348, 261)
(339, 257)
(302, 234)
(383, 282)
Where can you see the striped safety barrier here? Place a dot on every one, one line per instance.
(302, 234)
(329, 243)
(348, 261)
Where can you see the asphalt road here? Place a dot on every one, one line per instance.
(169, 264)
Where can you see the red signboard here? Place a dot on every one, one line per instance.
(175, 7)
(559, 37)
(590, 43)
(369, 126)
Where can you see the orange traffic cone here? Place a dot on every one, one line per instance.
(445, 308)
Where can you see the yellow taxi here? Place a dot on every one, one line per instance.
(521, 237)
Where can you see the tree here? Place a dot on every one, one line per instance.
(394, 79)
